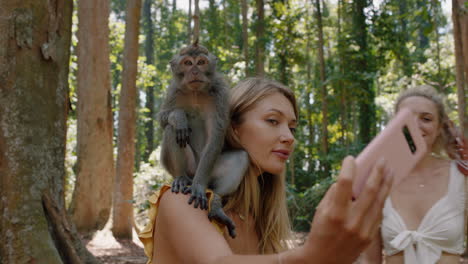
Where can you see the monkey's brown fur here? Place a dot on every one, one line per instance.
(194, 117)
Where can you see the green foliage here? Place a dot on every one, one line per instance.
(147, 180)
(302, 205)
(370, 57)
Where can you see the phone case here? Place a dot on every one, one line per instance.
(400, 144)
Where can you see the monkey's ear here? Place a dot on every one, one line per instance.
(174, 62)
(213, 60)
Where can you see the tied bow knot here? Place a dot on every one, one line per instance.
(426, 252)
(406, 238)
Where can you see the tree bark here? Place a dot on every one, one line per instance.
(189, 27)
(260, 42)
(196, 22)
(323, 90)
(149, 53)
(123, 207)
(460, 35)
(367, 114)
(34, 58)
(308, 95)
(245, 36)
(92, 197)
(342, 91)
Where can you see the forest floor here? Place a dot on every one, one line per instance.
(115, 251)
(125, 251)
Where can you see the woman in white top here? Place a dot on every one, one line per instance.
(424, 215)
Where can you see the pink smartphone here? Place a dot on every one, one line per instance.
(400, 144)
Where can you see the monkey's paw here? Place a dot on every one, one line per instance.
(198, 195)
(183, 136)
(180, 183)
(219, 216)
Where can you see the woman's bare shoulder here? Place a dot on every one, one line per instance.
(178, 203)
(188, 231)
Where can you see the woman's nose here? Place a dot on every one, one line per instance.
(287, 136)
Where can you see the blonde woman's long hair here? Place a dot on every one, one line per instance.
(262, 196)
(444, 142)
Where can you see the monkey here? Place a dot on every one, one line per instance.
(194, 117)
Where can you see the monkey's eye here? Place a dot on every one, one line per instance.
(187, 62)
(201, 62)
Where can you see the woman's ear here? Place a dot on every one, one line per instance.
(234, 129)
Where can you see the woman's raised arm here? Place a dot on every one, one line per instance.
(340, 231)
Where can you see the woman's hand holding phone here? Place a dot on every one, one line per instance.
(400, 144)
(344, 228)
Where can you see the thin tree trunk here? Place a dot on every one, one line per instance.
(34, 58)
(342, 90)
(460, 30)
(245, 35)
(123, 207)
(95, 166)
(260, 44)
(196, 22)
(323, 90)
(189, 23)
(435, 7)
(149, 53)
(366, 101)
(225, 23)
(310, 125)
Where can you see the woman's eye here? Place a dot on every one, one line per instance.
(293, 130)
(272, 121)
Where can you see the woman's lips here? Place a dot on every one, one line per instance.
(283, 154)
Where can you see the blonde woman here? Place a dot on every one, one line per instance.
(424, 215)
(263, 121)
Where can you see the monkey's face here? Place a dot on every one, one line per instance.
(195, 71)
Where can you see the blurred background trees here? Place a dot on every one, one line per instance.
(345, 60)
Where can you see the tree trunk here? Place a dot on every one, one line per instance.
(366, 102)
(245, 36)
(34, 57)
(260, 44)
(323, 89)
(308, 94)
(196, 22)
(95, 166)
(423, 40)
(123, 207)
(460, 34)
(225, 23)
(404, 56)
(149, 53)
(435, 9)
(189, 27)
(341, 89)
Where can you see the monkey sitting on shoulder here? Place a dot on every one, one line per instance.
(194, 117)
